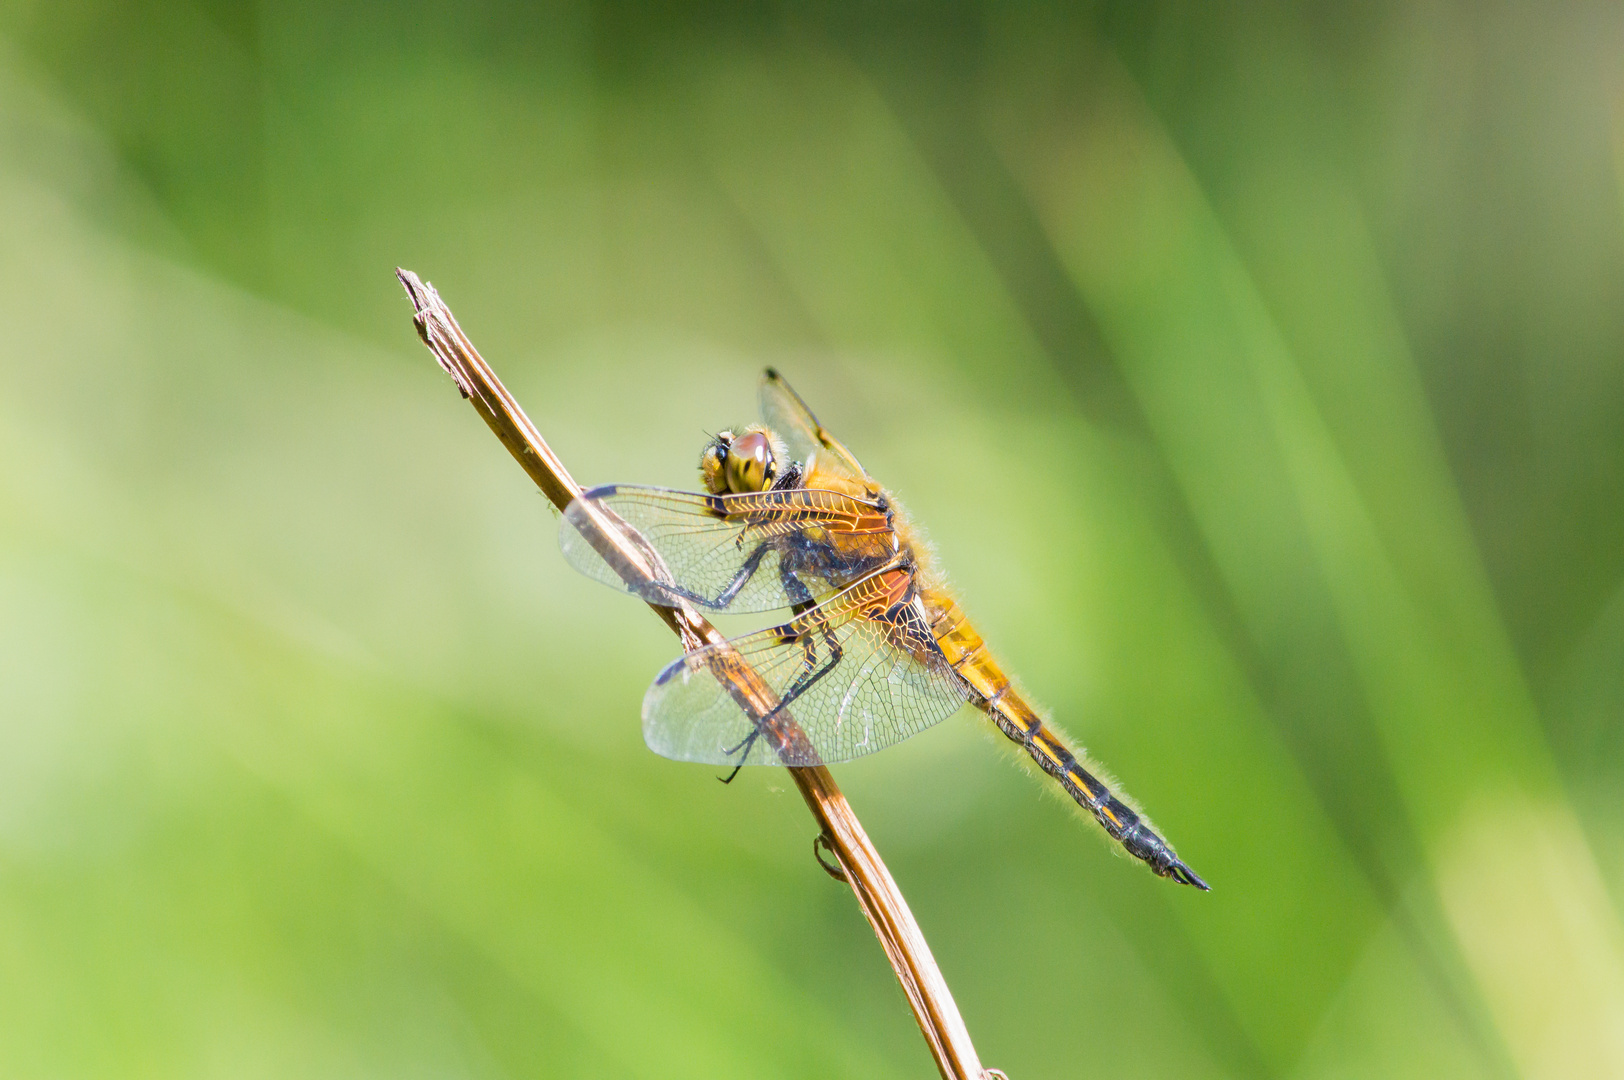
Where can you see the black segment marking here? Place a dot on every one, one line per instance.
(1128, 828)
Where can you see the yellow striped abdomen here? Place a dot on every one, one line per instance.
(993, 693)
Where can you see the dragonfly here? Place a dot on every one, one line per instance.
(876, 648)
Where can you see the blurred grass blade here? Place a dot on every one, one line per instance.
(1441, 682)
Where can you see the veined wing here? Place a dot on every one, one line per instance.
(855, 674)
(783, 411)
(728, 552)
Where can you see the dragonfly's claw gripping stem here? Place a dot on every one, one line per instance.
(820, 844)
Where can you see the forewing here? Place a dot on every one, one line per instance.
(783, 411)
(885, 680)
(720, 552)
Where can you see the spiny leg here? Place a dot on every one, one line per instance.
(745, 756)
(804, 681)
(810, 674)
(751, 564)
(800, 597)
(801, 601)
(809, 658)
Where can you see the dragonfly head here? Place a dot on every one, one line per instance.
(738, 464)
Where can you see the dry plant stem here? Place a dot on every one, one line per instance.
(841, 833)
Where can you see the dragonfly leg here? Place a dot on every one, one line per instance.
(811, 672)
(742, 578)
(820, 844)
(801, 601)
(752, 563)
(800, 597)
(745, 745)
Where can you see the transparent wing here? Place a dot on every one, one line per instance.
(783, 411)
(854, 675)
(726, 552)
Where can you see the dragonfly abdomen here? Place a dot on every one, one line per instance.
(1009, 710)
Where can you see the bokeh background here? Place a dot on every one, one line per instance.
(1257, 370)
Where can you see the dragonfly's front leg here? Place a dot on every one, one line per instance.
(751, 564)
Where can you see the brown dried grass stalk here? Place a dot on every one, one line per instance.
(841, 835)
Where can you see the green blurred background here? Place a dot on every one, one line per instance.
(1258, 371)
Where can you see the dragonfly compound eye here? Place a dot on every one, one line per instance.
(749, 464)
(713, 464)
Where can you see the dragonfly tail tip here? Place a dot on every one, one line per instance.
(1185, 876)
